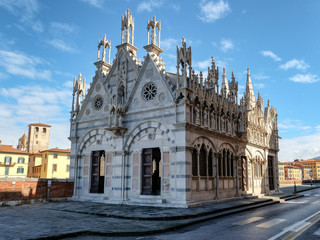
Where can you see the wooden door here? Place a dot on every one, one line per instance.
(270, 173)
(97, 172)
(146, 172)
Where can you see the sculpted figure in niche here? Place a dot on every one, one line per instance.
(212, 125)
(197, 119)
(205, 118)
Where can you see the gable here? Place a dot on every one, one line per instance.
(150, 90)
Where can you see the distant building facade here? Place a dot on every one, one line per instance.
(142, 135)
(38, 137)
(50, 163)
(299, 170)
(13, 162)
(23, 143)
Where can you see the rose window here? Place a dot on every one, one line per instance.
(98, 103)
(149, 91)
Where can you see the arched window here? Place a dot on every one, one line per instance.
(121, 94)
(228, 163)
(194, 162)
(36, 129)
(203, 161)
(210, 171)
(231, 164)
(224, 165)
(220, 164)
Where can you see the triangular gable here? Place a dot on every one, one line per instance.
(149, 73)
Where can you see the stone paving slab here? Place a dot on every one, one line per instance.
(146, 213)
(57, 220)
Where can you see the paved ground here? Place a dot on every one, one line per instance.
(57, 220)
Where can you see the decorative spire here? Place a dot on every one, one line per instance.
(249, 94)
(105, 44)
(224, 86)
(154, 47)
(127, 24)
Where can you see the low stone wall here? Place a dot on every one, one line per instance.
(14, 191)
(298, 182)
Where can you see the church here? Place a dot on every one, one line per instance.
(141, 135)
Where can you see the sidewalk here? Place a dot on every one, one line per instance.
(57, 220)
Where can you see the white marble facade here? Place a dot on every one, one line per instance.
(141, 135)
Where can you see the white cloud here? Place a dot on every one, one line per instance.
(169, 43)
(58, 28)
(26, 11)
(95, 3)
(226, 45)
(176, 7)
(259, 85)
(260, 76)
(295, 63)
(33, 104)
(149, 5)
(305, 147)
(203, 64)
(292, 124)
(23, 65)
(271, 54)
(304, 78)
(213, 10)
(62, 45)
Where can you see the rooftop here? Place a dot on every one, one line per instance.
(39, 124)
(11, 149)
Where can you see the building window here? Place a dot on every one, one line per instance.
(98, 103)
(149, 91)
(54, 167)
(210, 159)
(68, 168)
(20, 160)
(37, 142)
(203, 161)
(7, 160)
(194, 162)
(6, 171)
(45, 156)
(55, 155)
(36, 129)
(44, 130)
(20, 170)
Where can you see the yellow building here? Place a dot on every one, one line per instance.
(292, 172)
(314, 167)
(281, 170)
(13, 162)
(34, 167)
(51, 163)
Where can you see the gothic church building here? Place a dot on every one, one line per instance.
(141, 135)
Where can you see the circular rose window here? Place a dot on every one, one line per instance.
(149, 91)
(98, 103)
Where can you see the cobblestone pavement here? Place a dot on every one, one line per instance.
(57, 220)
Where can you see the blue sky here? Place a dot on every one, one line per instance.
(44, 44)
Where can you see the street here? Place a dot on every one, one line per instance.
(295, 219)
(273, 222)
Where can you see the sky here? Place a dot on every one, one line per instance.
(45, 44)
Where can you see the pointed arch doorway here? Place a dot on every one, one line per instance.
(151, 171)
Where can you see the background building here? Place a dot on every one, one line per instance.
(51, 163)
(13, 162)
(38, 137)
